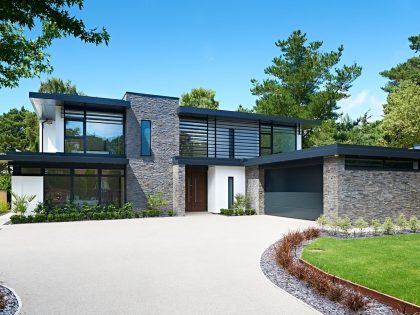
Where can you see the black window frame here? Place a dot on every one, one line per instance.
(150, 138)
(231, 192)
(377, 164)
(84, 132)
(270, 126)
(122, 177)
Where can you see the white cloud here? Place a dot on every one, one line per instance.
(362, 102)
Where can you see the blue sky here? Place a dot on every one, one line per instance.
(169, 47)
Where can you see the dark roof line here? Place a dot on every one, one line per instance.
(79, 99)
(204, 112)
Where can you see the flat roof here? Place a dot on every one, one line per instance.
(45, 103)
(336, 149)
(68, 158)
(204, 112)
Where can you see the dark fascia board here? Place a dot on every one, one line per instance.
(181, 160)
(150, 95)
(204, 112)
(58, 99)
(336, 150)
(46, 158)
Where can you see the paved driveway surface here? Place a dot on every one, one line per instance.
(198, 264)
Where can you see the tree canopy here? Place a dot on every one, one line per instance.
(22, 50)
(200, 97)
(304, 81)
(18, 130)
(408, 70)
(401, 123)
(57, 85)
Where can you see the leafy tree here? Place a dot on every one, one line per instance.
(401, 123)
(346, 130)
(200, 97)
(22, 53)
(243, 109)
(18, 130)
(304, 81)
(57, 85)
(409, 70)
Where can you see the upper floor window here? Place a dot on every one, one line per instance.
(146, 134)
(277, 139)
(93, 132)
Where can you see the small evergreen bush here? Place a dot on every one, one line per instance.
(388, 226)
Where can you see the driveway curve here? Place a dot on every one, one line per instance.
(197, 264)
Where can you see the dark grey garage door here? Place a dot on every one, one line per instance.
(294, 192)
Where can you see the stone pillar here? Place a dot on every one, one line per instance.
(255, 187)
(332, 169)
(179, 189)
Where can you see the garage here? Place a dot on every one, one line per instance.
(294, 191)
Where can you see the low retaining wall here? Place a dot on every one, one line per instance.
(397, 304)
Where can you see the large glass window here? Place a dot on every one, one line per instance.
(277, 139)
(57, 189)
(94, 132)
(84, 186)
(146, 138)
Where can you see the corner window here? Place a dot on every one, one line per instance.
(230, 192)
(94, 132)
(277, 139)
(145, 132)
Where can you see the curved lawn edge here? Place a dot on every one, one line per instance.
(300, 290)
(16, 305)
(396, 303)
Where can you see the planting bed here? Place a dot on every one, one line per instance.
(303, 291)
(9, 304)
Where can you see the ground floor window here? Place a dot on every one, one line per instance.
(81, 185)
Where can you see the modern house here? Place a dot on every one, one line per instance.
(99, 150)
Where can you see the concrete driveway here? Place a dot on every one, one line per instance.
(198, 264)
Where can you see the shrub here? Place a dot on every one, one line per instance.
(250, 211)
(335, 293)
(156, 201)
(334, 222)
(82, 216)
(355, 301)
(170, 213)
(311, 233)
(376, 226)
(144, 214)
(402, 222)
(15, 219)
(413, 223)
(128, 206)
(5, 182)
(388, 226)
(40, 217)
(50, 217)
(361, 224)
(240, 212)
(4, 207)
(30, 219)
(230, 212)
(20, 203)
(2, 301)
(322, 221)
(241, 202)
(344, 224)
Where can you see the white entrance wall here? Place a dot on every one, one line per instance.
(217, 182)
(29, 185)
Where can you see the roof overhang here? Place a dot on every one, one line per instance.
(336, 150)
(204, 112)
(61, 158)
(45, 103)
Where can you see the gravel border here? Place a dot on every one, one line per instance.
(13, 303)
(299, 288)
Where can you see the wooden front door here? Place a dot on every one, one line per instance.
(196, 189)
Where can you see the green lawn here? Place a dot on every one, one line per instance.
(389, 264)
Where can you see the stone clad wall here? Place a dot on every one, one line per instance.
(148, 175)
(371, 194)
(179, 189)
(254, 177)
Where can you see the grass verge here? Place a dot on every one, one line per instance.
(389, 264)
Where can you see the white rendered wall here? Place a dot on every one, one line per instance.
(53, 134)
(29, 185)
(217, 181)
(298, 138)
